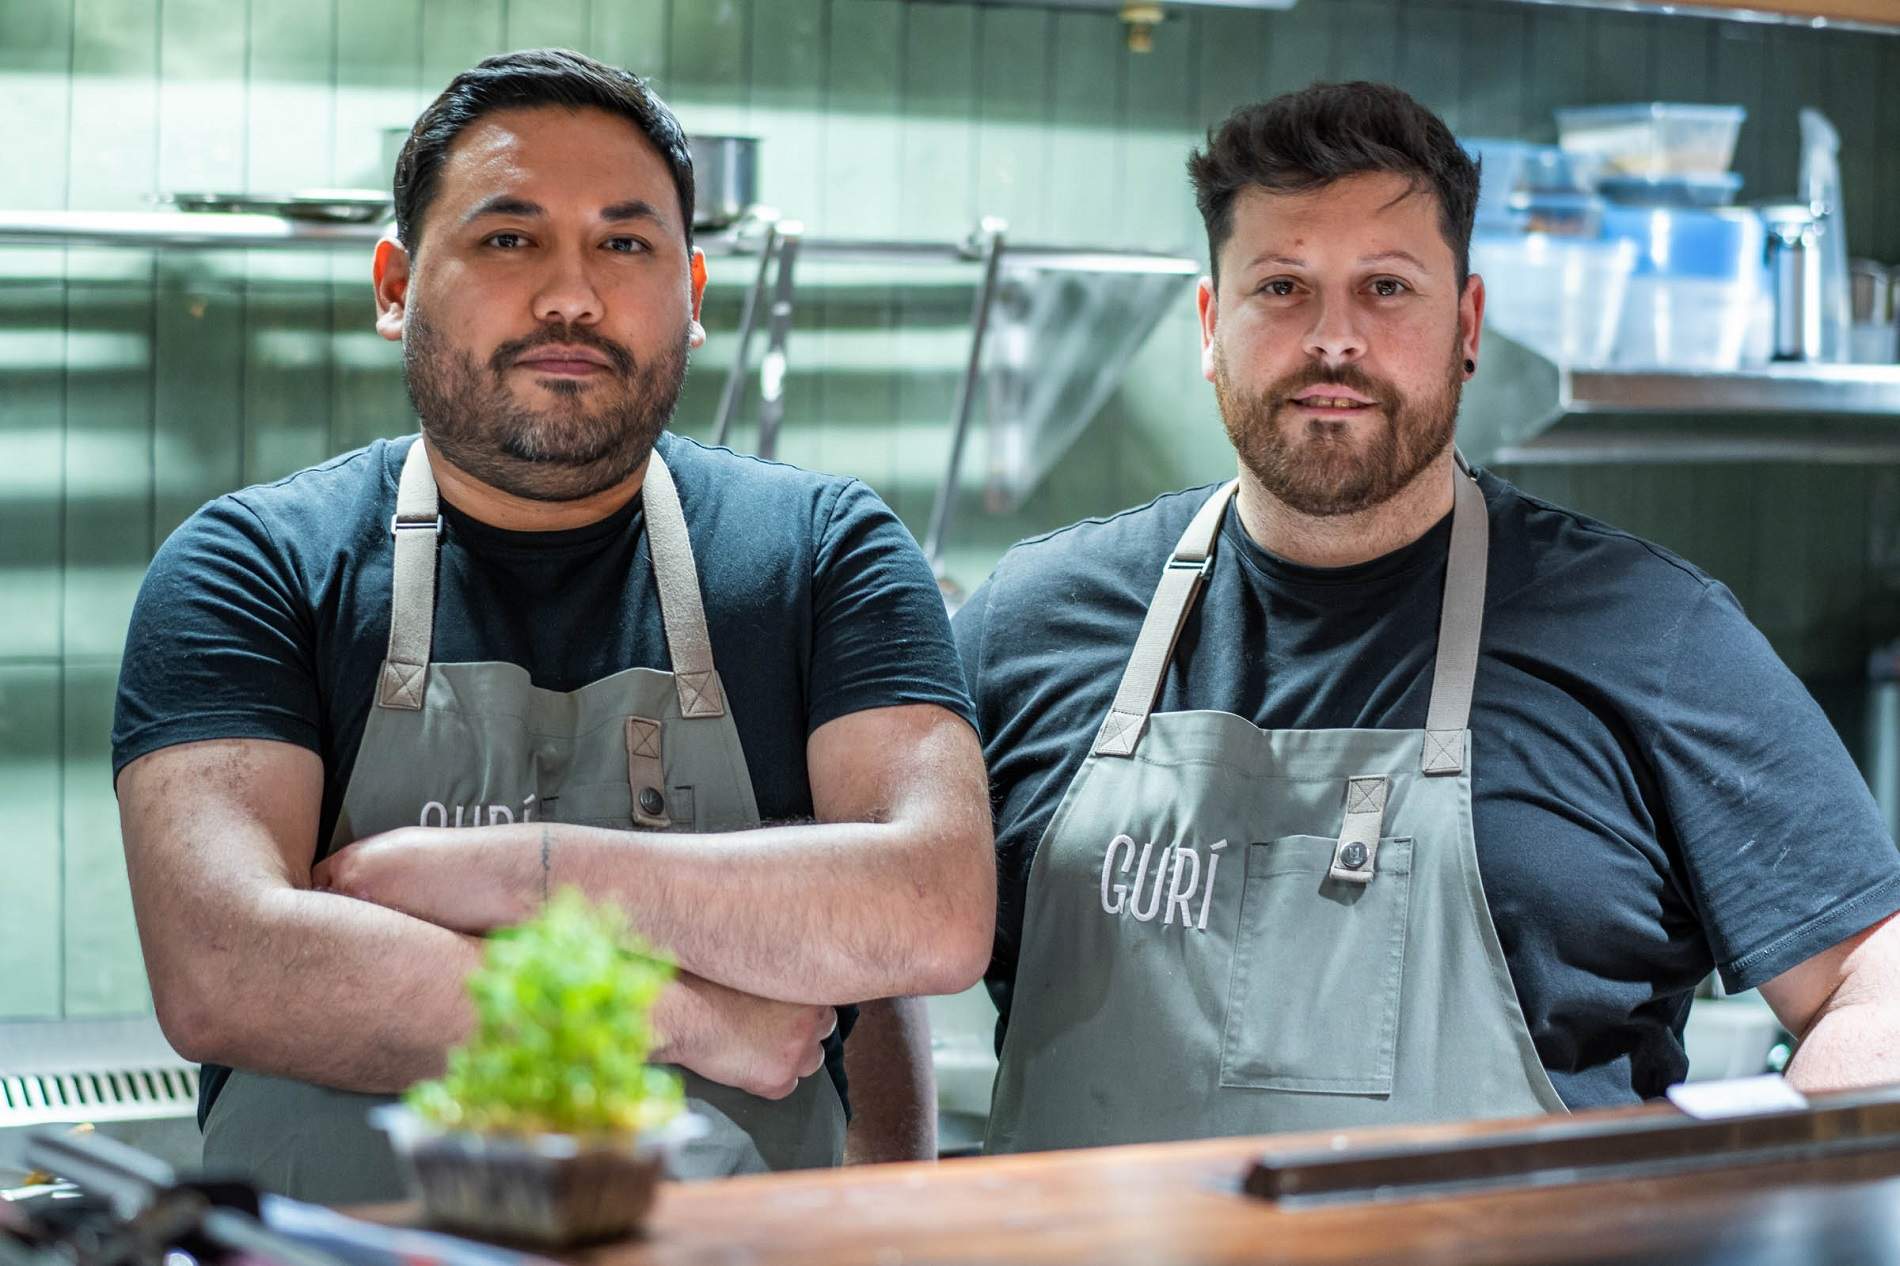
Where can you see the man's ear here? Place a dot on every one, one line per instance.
(390, 275)
(1471, 317)
(695, 332)
(1204, 303)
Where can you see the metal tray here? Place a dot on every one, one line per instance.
(331, 206)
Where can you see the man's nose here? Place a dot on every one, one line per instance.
(1335, 336)
(567, 293)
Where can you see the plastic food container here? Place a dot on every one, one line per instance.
(1569, 214)
(1697, 297)
(1652, 139)
(550, 1190)
(1561, 296)
(1672, 191)
(1512, 173)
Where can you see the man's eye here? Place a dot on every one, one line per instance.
(626, 245)
(506, 241)
(1389, 287)
(1280, 287)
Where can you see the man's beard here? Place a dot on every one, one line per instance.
(1319, 470)
(590, 437)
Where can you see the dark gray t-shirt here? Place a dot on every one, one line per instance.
(266, 614)
(1655, 794)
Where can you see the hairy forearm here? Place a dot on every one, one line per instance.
(324, 989)
(891, 893)
(825, 913)
(1849, 1046)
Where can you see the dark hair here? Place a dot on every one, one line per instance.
(523, 80)
(1310, 138)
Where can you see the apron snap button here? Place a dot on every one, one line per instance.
(1353, 856)
(651, 802)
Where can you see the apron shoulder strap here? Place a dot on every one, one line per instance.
(1180, 585)
(681, 609)
(1460, 621)
(416, 527)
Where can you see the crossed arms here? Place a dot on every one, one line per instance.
(251, 954)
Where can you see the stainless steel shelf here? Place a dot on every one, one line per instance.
(204, 231)
(1524, 408)
(1775, 389)
(221, 231)
(1067, 318)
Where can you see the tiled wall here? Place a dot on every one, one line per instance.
(135, 384)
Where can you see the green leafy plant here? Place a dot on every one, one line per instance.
(563, 1005)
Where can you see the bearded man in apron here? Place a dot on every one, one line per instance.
(386, 705)
(1366, 789)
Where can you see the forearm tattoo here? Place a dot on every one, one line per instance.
(546, 847)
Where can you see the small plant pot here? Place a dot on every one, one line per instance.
(550, 1190)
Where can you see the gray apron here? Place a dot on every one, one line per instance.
(1232, 930)
(478, 744)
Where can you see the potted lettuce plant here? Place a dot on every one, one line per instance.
(549, 1126)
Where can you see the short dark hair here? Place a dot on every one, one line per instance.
(523, 80)
(1307, 139)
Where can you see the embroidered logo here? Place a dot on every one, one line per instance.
(1168, 889)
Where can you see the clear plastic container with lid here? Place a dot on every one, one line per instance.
(1652, 139)
(1559, 295)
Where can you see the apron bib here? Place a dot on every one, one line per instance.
(478, 744)
(1232, 930)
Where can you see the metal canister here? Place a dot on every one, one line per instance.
(1875, 335)
(1794, 271)
(1872, 287)
(725, 173)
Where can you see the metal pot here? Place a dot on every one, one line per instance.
(725, 178)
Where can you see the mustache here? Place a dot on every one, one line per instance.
(513, 350)
(1351, 377)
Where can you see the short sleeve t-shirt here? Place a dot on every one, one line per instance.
(266, 615)
(1654, 794)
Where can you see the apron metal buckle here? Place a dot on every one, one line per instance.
(398, 524)
(1357, 849)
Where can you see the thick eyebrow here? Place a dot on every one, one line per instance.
(505, 204)
(508, 204)
(633, 210)
(1285, 261)
(1383, 257)
(1386, 257)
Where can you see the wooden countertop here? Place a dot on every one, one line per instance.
(1181, 1203)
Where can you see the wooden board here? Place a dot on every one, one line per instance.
(1181, 1203)
(1878, 12)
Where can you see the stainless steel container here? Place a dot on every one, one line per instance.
(1794, 268)
(1875, 294)
(725, 178)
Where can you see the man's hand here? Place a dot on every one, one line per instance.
(471, 880)
(754, 1044)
